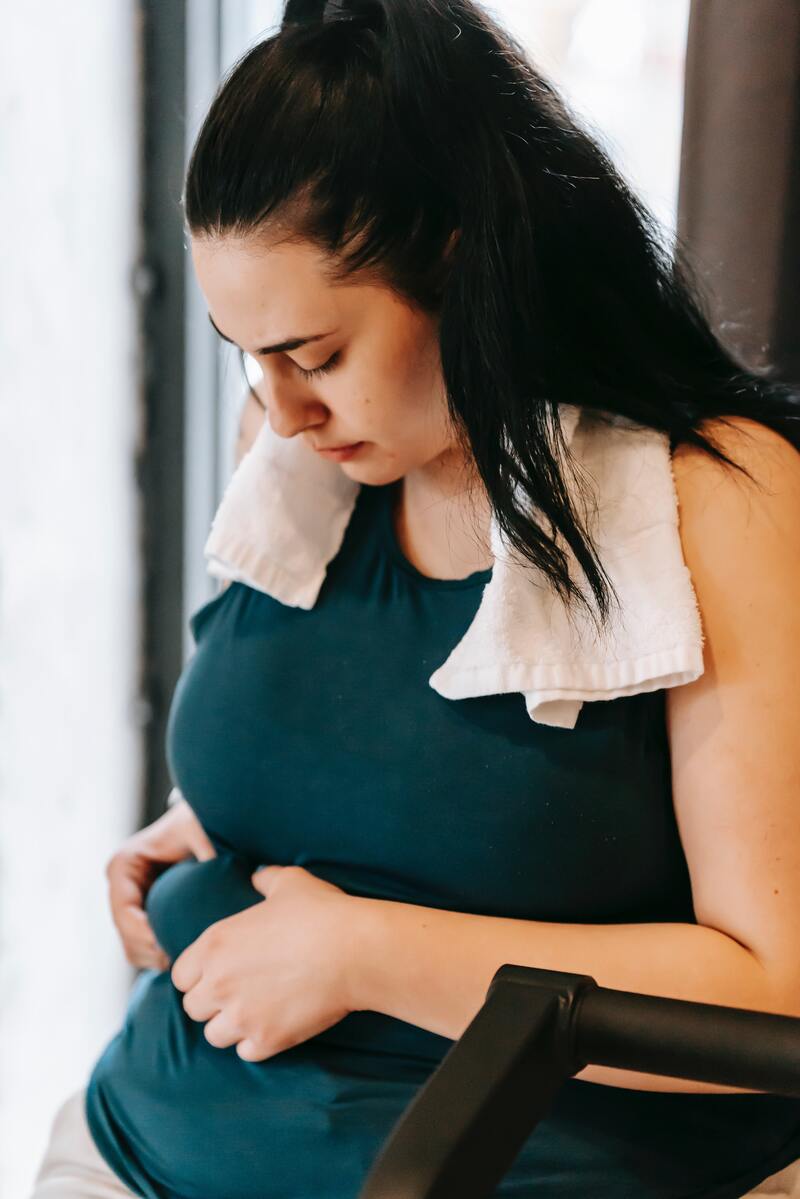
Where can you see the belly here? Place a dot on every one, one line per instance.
(191, 1118)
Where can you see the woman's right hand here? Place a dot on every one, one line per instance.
(136, 865)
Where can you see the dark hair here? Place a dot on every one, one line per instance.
(378, 128)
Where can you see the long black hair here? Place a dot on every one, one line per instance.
(377, 128)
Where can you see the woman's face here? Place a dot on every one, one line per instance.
(376, 360)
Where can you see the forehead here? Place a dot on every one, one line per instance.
(258, 293)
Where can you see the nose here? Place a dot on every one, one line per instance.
(289, 410)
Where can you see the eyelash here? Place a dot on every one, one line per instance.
(320, 370)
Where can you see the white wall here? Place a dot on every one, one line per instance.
(69, 740)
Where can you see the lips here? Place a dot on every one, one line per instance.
(342, 454)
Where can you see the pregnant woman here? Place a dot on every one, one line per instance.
(395, 769)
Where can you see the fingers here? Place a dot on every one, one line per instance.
(142, 949)
(126, 896)
(131, 871)
(125, 889)
(202, 848)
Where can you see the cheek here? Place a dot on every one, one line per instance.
(412, 393)
(398, 384)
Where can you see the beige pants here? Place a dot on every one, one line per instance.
(72, 1167)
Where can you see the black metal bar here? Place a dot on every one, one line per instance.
(704, 1042)
(537, 1028)
(494, 1085)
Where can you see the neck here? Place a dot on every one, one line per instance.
(443, 513)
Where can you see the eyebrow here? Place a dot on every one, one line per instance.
(291, 343)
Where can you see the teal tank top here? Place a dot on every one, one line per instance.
(313, 737)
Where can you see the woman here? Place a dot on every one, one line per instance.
(395, 214)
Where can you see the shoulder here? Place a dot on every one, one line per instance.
(732, 731)
(771, 460)
(740, 535)
(730, 522)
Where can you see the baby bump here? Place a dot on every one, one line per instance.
(160, 1095)
(182, 1117)
(190, 895)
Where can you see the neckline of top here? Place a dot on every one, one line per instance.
(386, 500)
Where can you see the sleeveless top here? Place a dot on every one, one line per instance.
(312, 737)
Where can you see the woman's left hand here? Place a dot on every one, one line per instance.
(276, 973)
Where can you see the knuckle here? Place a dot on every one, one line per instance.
(234, 1013)
(211, 937)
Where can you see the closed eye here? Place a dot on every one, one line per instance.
(320, 370)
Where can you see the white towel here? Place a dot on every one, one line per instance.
(283, 517)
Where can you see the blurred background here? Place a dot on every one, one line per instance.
(119, 410)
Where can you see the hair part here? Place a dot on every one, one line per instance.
(413, 141)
